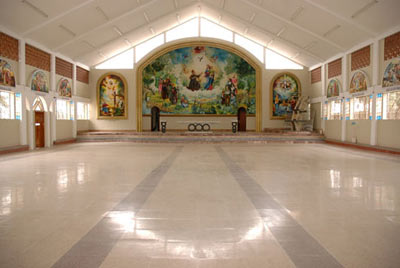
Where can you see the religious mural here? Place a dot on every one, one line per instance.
(39, 81)
(333, 88)
(199, 80)
(7, 77)
(64, 88)
(391, 77)
(359, 82)
(286, 91)
(112, 96)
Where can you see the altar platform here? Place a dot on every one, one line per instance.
(201, 137)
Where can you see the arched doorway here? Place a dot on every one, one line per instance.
(242, 119)
(38, 109)
(155, 119)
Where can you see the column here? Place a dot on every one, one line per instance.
(21, 65)
(375, 81)
(53, 118)
(374, 122)
(47, 137)
(75, 122)
(52, 72)
(31, 128)
(323, 82)
(23, 139)
(344, 87)
(74, 80)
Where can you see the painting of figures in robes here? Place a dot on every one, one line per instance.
(64, 88)
(333, 88)
(112, 97)
(359, 82)
(199, 80)
(391, 77)
(286, 89)
(7, 77)
(39, 81)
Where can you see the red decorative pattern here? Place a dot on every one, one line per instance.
(316, 75)
(335, 68)
(361, 58)
(392, 46)
(9, 47)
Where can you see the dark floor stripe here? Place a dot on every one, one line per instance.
(93, 248)
(300, 246)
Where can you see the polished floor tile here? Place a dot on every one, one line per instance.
(199, 205)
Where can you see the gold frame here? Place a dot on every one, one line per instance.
(125, 96)
(272, 92)
(167, 49)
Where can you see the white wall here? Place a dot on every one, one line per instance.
(9, 134)
(63, 129)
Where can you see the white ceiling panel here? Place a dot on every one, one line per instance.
(56, 7)
(239, 9)
(51, 36)
(296, 36)
(101, 36)
(84, 19)
(159, 9)
(131, 22)
(76, 49)
(268, 23)
(114, 9)
(347, 37)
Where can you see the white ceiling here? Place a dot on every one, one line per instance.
(308, 31)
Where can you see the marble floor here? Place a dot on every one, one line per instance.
(199, 205)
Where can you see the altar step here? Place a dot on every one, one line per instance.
(200, 137)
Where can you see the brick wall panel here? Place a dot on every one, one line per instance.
(392, 46)
(82, 75)
(335, 68)
(37, 58)
(9, 47)
(64, 68)
(316, 75)
(361, 58)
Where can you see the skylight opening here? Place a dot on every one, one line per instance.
(144, 48)
(275, 61)
(121, 61)
(256, 49)
(210, 29)
(185, 30)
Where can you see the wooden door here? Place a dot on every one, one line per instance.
(39, 129)
(242, 119)
(155, 119)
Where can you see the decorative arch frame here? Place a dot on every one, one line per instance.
(38, 102)
(222, 45)
(272, 92)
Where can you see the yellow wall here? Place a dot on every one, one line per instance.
(388, 133)
(63, 129)
(82, 125)
(83, 89)
(316, 111)
(333, 129)
(359, 129)
(9, 134)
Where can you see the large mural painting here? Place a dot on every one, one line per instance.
(333, 88)
(285, 91)
(7, 77)
(359, 82)
(112, 97)
(199, 80)
(39, 81)
(391, 77)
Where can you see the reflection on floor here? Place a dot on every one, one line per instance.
(199, 205)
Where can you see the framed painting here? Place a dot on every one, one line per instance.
(64, 88)
(39, 81)
(333, 89)
(285, 91)
(198, 80)
(359, 82)
(7, 77)
(112, 97)
(391, 76)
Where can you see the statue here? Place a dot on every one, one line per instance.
(301, 117)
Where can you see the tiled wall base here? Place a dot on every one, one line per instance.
(365, 147)
(14, 149)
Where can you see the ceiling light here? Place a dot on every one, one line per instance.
(296, 13)
(101, 11)
(296, 55)
(117, 30)
(252, 17)
(38, 10)
(270, 42)
(246, 30)
(101, 54)
(89, 44)
(129, 44)
(281, 31)
(334, 28)
(67, 30)
(152, 30)
(364, 8)
(310, 45)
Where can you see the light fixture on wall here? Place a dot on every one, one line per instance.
(35, 8)
(364, 8)
(281, 31)
(117, 30)
(101, 11)
(65, 29)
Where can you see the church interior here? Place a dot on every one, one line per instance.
(199, 133)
